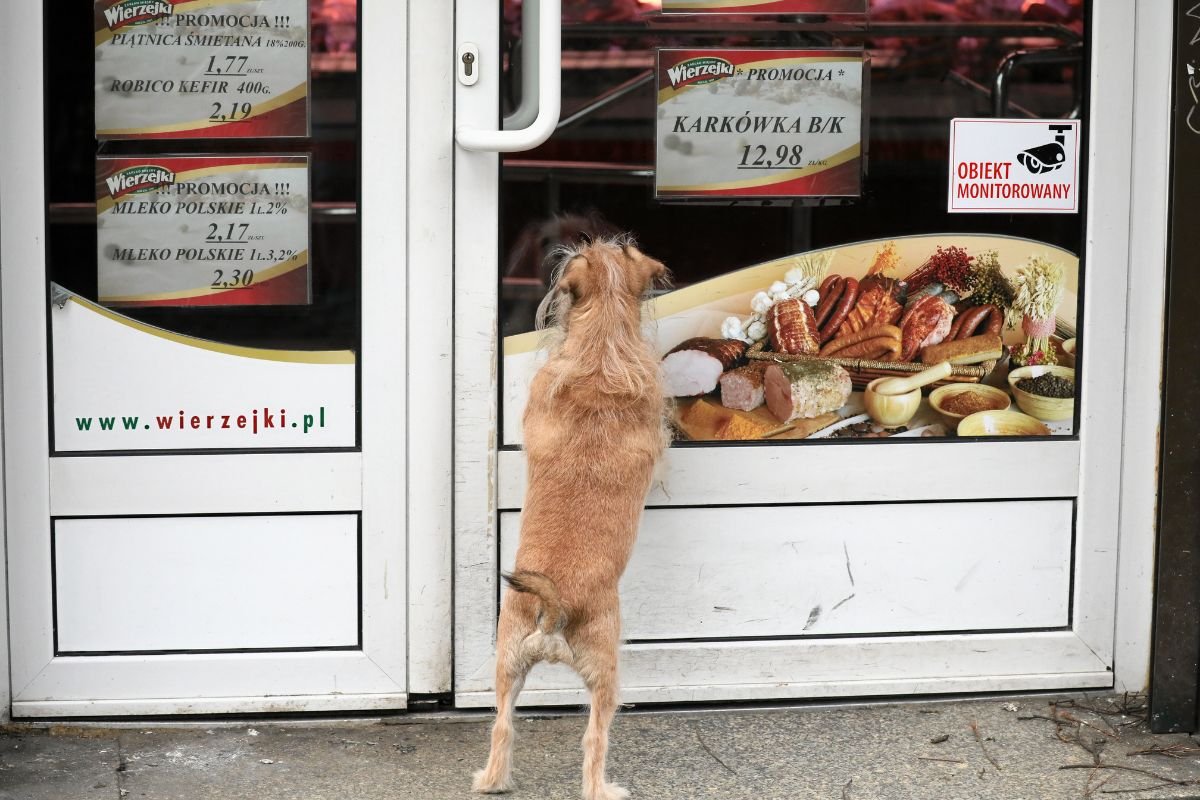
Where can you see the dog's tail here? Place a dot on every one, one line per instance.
(552, 616)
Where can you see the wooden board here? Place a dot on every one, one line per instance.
(708, 421)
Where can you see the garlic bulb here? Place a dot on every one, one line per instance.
(732, 328)
(761, 303)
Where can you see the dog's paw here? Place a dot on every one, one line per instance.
(607, 791)
(487, 783)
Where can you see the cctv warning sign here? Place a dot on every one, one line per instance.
(1014, 165)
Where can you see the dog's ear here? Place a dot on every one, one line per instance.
(571, 280)
(651, 271)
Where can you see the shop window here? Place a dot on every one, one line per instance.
(223, 258)
(733, 258)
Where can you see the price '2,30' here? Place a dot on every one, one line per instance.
(237, 278)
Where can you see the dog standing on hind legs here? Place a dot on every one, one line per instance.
(593, 430)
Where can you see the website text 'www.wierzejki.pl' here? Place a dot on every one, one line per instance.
(255, 421)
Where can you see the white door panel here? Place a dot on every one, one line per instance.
(1050, 527)
(206, 583)
(811, 571)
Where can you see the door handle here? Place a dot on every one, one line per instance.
(549, 92)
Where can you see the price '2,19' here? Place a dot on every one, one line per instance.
(229, 112)
(759, 156)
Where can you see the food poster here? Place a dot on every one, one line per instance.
(740, 123)
(797, 348)
(766, 6)
(201, 69)
(202, 230)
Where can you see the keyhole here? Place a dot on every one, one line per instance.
(468, 60)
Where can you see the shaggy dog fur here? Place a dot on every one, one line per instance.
(593, 433)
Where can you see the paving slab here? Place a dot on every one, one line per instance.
(992, 749)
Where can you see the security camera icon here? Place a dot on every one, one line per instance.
(1046, 157)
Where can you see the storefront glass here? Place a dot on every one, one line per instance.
(785, 307)
(202, 179)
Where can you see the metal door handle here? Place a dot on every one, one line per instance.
(549, 90)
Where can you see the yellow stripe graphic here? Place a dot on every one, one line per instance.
(288, 97)
(263, 354)
(836, 159)
(759, 276)
(274, 271)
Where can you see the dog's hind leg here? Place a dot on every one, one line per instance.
(596, 661)
(511, 668)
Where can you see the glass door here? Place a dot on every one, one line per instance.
(202, 349)
(918, 189)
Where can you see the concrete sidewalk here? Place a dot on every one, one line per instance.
(994, 749)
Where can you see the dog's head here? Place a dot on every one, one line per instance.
(608, 269)
(595, 301)
(608, 273)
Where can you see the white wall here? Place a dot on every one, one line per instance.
(1144, 346)
(5, 690)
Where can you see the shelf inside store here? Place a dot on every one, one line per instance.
(85, 213)
(334, 63)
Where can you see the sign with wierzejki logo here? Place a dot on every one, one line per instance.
(202, 230)
(201, 69)
(766, 6)
(743, 123)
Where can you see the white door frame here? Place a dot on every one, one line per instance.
(370, 481)
(1144, 343)
(488, 480)
(431, 61)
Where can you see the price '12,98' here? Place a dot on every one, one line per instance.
(758, 156)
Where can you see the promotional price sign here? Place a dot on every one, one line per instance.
(188, 69)
(202, 230)
(766, 6)
(759, 123)
(1007, 165)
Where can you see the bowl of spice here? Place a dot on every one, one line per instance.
(1001, 423)
(1045, 391)
(953, 402)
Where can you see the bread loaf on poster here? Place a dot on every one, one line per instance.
(972, 350)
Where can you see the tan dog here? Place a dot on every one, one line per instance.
(593, 432)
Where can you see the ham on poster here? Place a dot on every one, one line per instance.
(188, 69)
